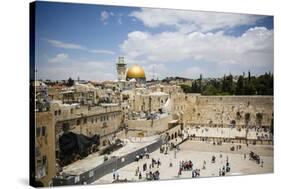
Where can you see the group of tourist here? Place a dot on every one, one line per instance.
(255, 157)
(195, 173)
(153, 175)
(225, 168)
(168, 146)
(148, 169)
(185, 166)
(255, 132)
(237, 147)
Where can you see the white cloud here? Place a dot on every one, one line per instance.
(102, 52)
(120, 20)
(253, 49)
(104, 15)
(155, 71)
(60, 44)
(88, 70)
(64, 45)
(100, 65)
(59, 58)
(189, 21)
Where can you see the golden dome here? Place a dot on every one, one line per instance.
(135, 71)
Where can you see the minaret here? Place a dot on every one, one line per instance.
(121, 69)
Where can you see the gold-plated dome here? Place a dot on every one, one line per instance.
(135, 71)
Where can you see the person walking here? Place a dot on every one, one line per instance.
(140, 176)
(113, 174)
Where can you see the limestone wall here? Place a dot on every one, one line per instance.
(148, 128)
(45, 162)
(222, 110)
(142, 102)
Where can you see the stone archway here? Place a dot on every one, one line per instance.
(169, 137)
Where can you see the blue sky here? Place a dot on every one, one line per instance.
(85, 40)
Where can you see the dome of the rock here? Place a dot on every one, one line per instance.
(136, 72)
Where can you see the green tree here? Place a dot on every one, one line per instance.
(70, 82)
(224, 84)
(194, 87)
(229, 88)
(240, 86)
(186, 88)
(210, 90)
(264, 84)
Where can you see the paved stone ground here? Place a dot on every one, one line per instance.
(197, 152)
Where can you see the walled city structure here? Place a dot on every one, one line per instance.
(127, 109)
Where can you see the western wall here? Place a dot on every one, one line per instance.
(228, 110)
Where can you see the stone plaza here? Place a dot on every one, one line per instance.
(198, 152)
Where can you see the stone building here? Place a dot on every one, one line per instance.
(45, 160)
(84, 94)
(42, 97)
(151, 102)
(104, 120)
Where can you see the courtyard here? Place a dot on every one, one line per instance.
(198, 152)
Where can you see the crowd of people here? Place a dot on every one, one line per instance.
(188, 166)
(255, 157)
(150, 169)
